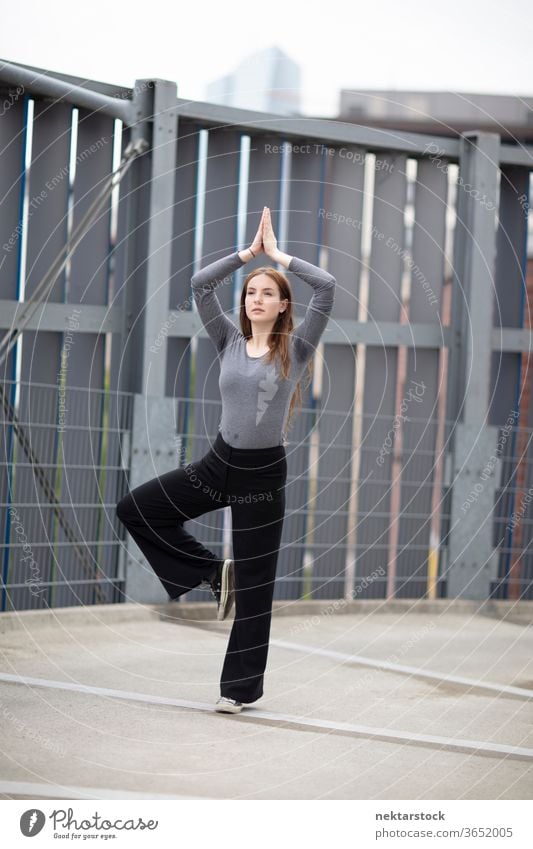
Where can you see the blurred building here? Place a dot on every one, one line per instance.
(445, 113)
(266, 81)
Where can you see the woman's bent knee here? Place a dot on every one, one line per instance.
(123, 508)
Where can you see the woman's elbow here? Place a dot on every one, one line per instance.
(199, 286)
(331, 291)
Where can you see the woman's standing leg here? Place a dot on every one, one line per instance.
(155, 511)
(257, 529)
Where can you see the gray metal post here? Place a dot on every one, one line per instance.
(160, 228)
(153, 452)
(475, 467)
(153, 448)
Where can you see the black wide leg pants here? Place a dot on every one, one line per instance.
(252, 482)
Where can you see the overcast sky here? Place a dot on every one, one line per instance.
(461, 45)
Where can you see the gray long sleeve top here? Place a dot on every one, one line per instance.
(255, 398)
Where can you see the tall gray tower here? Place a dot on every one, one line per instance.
(267, 81)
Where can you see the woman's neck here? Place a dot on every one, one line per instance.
(258, 341)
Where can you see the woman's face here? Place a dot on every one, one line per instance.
(262, 301)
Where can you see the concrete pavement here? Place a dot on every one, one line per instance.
(366, 700)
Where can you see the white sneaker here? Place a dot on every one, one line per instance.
(225, 705)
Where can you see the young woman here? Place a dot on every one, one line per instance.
(246, 467)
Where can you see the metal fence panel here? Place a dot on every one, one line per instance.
(374, 489)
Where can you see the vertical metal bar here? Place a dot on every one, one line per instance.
(303, 234)
(119, 423)
(47, 234)
(341, 214)
(13, 138)
(510, 374)
(472, 560)
(178, 366)
(417, 412)
(84, 366)
(380, 382)
(160, 234)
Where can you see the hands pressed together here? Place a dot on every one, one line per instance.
(265, 240)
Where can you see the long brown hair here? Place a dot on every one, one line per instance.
(278, 339)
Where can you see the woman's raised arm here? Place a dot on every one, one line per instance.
(217, 324)
(307, 334)
(215, 321)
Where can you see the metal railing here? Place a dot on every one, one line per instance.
(95, 293)
(63, 543)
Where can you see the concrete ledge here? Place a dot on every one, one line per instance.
(520, 613)
(80, 615)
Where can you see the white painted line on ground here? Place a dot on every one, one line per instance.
(64, 791)
(103, 691)
(387, 666)
(400, 668)
(283, 719)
